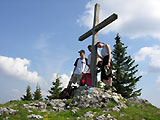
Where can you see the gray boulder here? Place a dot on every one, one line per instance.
(7, 110)
(34, 116)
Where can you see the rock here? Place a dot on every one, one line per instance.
(7, 110)
(40, 105)
(123, 106)
(44, 110)
(88, 114)
(121, 115)
(58, 109)
(56, 103)
(74, 110)
(101, 117)
(85, 97)
(107, 110)
(62, 104)
(109, 116)
(34, 116)
(139, 100)
(36, 105)
(6, 118)
(55, 109)
(61, 109)
(78, 118)
(29, 111)
(116, 108)
(115, 99)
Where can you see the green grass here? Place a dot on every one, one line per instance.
(133, 112)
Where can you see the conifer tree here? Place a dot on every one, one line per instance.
(55, 89)
(28, 95)
(37, 94)
(124, 71)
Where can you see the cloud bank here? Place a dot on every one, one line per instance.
(63, 78)
(18, 69)
(136, 18)
(154, 54)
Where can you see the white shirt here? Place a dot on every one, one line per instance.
(80, 66)
(89, 57)
(104, 51)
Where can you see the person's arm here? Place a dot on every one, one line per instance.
(100, 57)
(75, 66)
(109, 53)
(88, 69)
(74, 70)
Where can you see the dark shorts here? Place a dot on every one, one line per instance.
(103, 74)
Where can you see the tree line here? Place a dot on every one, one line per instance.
(124, 76)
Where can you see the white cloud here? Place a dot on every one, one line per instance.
(152, 52)
(63, 78)
(18, 69)
(136, 18)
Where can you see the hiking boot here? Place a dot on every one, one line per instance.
(107, 70)
(111, 89)
(106, 87)
(98, 69)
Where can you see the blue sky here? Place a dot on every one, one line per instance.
(39, 39)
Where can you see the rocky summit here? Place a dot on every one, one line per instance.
(85, 97)
(86, 103)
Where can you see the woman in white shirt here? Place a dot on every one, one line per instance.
(106, 70)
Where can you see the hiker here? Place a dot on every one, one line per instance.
(99, 58)
(79, 67)
(106, 70)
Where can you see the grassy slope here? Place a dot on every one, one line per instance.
(134, 112)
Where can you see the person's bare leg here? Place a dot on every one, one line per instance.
(109, 81)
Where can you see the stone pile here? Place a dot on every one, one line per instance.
(7, 110)
(85, 97)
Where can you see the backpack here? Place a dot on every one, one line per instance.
(75, 64)
(86, 80)
(67, 92)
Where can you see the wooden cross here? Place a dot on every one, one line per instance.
(94, 32)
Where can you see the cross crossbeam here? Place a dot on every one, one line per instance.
(98, 27)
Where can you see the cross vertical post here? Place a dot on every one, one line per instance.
(94, 32)
(94, 49)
